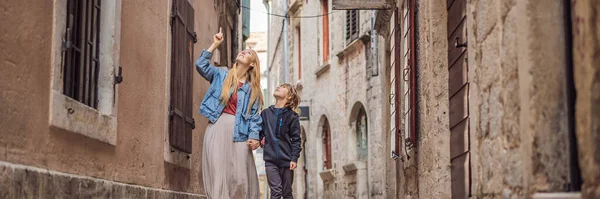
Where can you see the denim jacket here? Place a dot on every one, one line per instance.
(247, 125)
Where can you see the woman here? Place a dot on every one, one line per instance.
(232, 105)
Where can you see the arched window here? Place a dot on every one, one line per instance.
(361, 135)
(326, 136)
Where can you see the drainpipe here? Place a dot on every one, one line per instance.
(374, 45)
(284, 65)
(268, 71)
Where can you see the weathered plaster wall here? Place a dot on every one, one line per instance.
(142, 99)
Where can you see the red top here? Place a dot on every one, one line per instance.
(231, 106)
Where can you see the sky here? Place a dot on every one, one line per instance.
(258, 20)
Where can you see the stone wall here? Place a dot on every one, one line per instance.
(433, 145)
(517, 101)
(18, 181)
(519, 46)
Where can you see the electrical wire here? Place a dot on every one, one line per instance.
(285, 16)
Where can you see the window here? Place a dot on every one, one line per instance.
(81, 51)
(326, 136)
(325, 23)
(299, 49)
(394, 87)
(181, 121)
(352, 25)
(361, 135)
(402, 79)
(85, 54)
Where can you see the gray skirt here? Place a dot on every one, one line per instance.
(228, 169)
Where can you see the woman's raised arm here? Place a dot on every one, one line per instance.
(203, 65)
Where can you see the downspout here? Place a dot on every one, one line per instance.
(284, 65)
(374, 46)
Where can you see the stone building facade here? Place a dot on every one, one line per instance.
(119, 141)
(477, 99)
(330, 59)
(503, 98)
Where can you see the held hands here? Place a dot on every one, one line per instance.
(292, 165)
(253, 144)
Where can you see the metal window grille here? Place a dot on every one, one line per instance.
(81, 51)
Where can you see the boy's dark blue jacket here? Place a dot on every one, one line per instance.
(281, 130)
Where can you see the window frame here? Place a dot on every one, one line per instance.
(403, 79)
(394, 99)
(65, 112)
(409, 72)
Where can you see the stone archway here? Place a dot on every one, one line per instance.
(356, 169)
(359, 125)
(324, 132)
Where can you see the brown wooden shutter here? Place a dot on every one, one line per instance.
(458, 90)
(352, 27)
(181, 121)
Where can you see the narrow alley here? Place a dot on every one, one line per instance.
(398, 98)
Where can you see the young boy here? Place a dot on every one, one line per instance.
(280, 137)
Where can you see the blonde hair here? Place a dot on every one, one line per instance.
(293, 100)
(253, 78)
